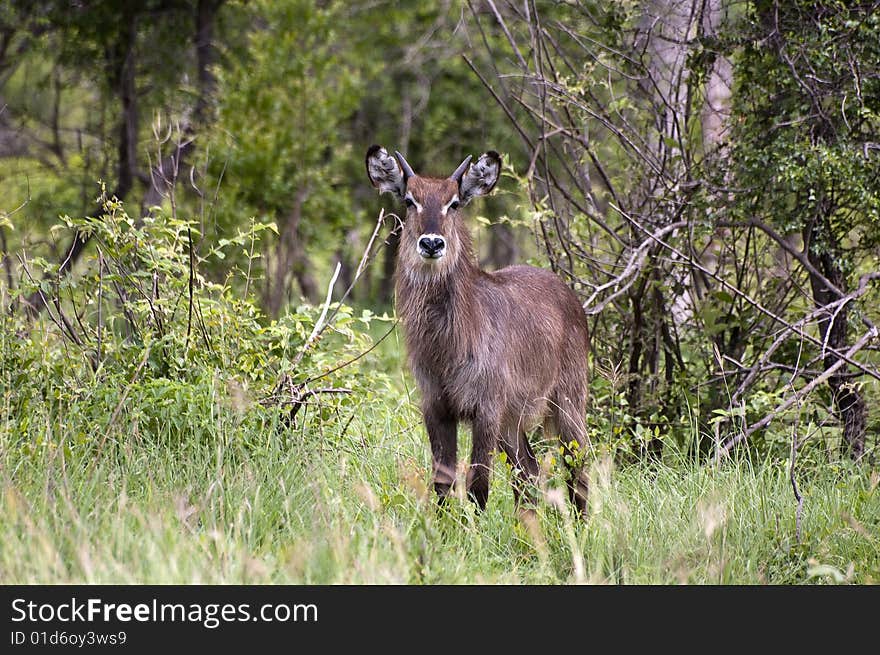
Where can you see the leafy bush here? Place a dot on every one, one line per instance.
(138, 343)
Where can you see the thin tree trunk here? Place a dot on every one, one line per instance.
(848, 400)
(206, 20)
(502, 246)
(386, 288)
(663, 39)
(716, 108)
(164, 175)
(290, 259)
(7, 268)
(302, 270)
(346, 255)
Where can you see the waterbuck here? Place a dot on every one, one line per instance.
(504, 351)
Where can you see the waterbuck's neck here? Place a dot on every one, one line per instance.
(438, 301)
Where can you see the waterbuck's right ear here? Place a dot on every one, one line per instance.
(384, 172)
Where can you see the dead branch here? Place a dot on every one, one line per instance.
(296, 393)
(297, 396)
(635, 265)
(319, 324)
(797, 329)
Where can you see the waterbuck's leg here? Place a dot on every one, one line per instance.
(569, 418)
(442, 429)
(485, 440)
(525, 464)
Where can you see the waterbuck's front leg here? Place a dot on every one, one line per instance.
(486, 434)
(442, 429)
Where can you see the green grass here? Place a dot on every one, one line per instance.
(342, 497)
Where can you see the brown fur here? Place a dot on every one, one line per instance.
(503, 351)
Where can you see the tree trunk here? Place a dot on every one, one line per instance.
(290, 259)
(302, 271)
(346, 256)
(164, 175)
(663, 39)
(823, 253)
(663, 35)
(124, 82)
(206, 19)
(502, 246)
(716, 108)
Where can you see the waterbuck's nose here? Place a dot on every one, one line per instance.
(431, 245)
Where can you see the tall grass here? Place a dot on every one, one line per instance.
(237, 499)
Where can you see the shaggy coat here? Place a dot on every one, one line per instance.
(504, 351)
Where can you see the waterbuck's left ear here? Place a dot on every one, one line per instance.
(384, 172)
(480, 177)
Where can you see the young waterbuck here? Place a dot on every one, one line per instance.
(504, 351)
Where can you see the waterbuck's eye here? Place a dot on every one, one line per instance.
(409, 202)
(454, 204)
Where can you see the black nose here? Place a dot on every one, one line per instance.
(431, 245)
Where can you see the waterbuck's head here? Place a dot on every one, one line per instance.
(433, 236)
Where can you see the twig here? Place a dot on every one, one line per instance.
(353, 359)
(299, 396)
(380, 221)
(319, 324)
(191, 284)
(787, 247)
(737, 292)
(100, 304)
(302, 394)
(61, 321)
(797, 329)
(364, 262)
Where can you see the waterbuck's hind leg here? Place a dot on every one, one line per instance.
(569, 420)
(524, 463)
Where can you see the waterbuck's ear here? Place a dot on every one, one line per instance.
(384, 172)
(480, 177)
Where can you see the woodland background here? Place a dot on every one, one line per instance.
(201, 377)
